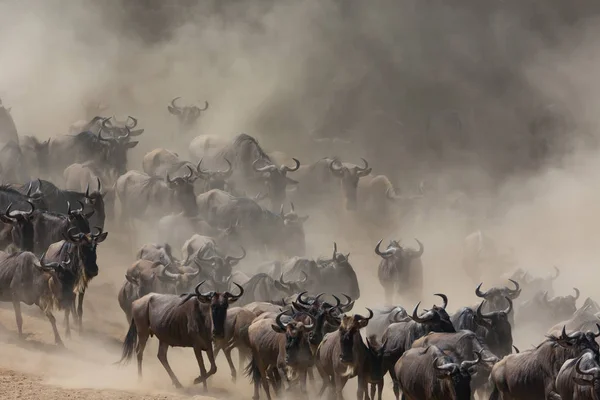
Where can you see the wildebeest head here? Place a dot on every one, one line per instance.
(290, 287)
(349, 175)
(498, 327)
(86, 245)
(375, 354)
(37, 196)
(219, 303)
(578, 341)
(350, 333)
(496, 296)
(276, 180)
(214, 179)
(143, 282)
(118, 143)
(327, 316)
(22, 226)
(458, 374)
(36, 152)
(534, 285)
(296, 337)
(591, 376)
(436, 317)
(66, 279)
(562, 307)
(183, 188)
(79, 219)
(95, 199)
(401, 256)
(186, 115)
(182, 281)
(221, 267)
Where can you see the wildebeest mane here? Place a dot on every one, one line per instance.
(8, 129)
(237, 151)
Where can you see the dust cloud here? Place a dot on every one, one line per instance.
(491, 105)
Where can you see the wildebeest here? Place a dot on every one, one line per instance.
(492, 328)
(58, 200)
(35, 153)
(541, 310)
(156, 252)
(385, 317)
(81, 249)
(8, 129)
(496, 298)
(400, 270)
(236, 337)
(343, 355)
(531, 375)
(579, 378)
(159, 162)
(531, 286)
(13, 164)
(192, 321)
(400, 336)
(186, 115)
(254, 169)
(279, 345)
(293, 238)
(349, 174)
(261, 287)
(431, 374)
(217, 269)
(584, 319)
(26, 279)
(336, 275)
(214, 179)
(142, 195)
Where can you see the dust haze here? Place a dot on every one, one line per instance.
(492, 104)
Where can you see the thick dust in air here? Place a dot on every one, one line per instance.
(484, 113)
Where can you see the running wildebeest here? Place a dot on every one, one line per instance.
(400, 270)
(187, 116)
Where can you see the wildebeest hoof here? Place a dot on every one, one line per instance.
(177, 385)
(199, 380)
(60, 344)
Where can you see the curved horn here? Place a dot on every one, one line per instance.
(229, 259)
(208, 295)
(313, 319)
(169, 275)
(383, 254)
(510, 305)
(190, 174)
(481, 315)
(199, 168)
(421, 250)
(266, 168)
(87, 191)
(99, 185)
(279, 322)
(292, 169)
(576, 293)
(233, 296)
(135, 122)
(349, 301)
(28, 194)
(449, 367)
(173, 102)
(479, 293)
(299, 297)
(226, 174)
(169, 179)
(370, 314)
(334, 167)
(205, 106)
(591, 371)
(598, 327)
(444, 299)
(468, 364)
(366, 165)
(557, 273)
(334, 250)
(337, 301)
(32, 209)
(305, 277)
(517, 286)
(424, 318)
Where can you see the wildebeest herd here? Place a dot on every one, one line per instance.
(288, 317)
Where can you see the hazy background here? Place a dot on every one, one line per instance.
(496, 100)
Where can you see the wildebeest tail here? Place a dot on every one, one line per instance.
(252, 371)
(129, 344)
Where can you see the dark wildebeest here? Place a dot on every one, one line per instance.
(157, 252)
(141, 195)
(531, 286)
(431, 374)
(579, 378)
(584, 319)
(400, 336)
(349, 174)
(462, 345)
(192, 321)
(496, 298)
(337, 276)
(255, 170)
(35, 153)
(492, 328)
(236, 337)
(400, 270)
(544, 311)
(13, 163)
(26, 279)
(532, 375)
(81, 249)
(342, 355)
(216, 269)
(187, 116)
(277, 346)
(214, 179)
(79, 177)
(58, 200)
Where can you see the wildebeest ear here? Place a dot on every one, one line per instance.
(131, 145)
(101, 237)
(173, 110)
(137, 132)
(131, 279)
(291, 181)
(277, 329)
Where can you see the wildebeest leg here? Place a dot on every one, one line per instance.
(19, 317)
(339, 383)
(227, 352)
(162, 357)
(303, 382)
(80, 310)
(67, 324)
(311, 375)
(213, 366)
(52, 320)
(551, 394)
(379, 390)
(395, 384)
(373, 388)
(361, 391)
(324, 377)
(139, 350)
